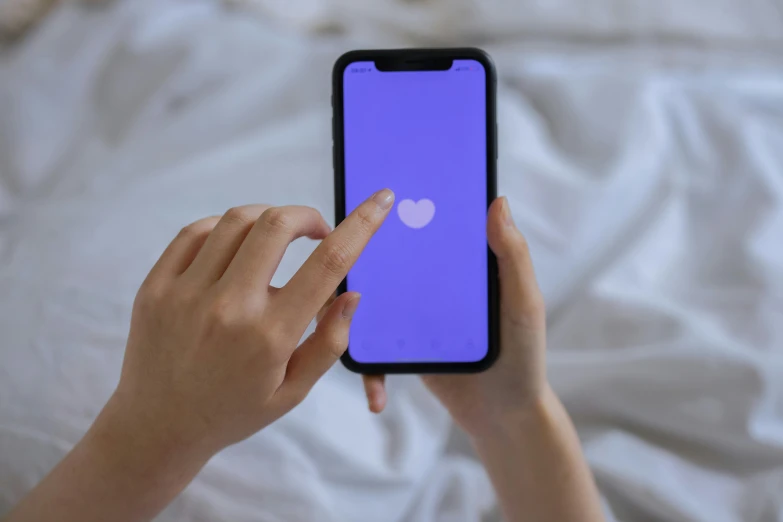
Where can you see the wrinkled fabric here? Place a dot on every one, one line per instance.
(645, 174)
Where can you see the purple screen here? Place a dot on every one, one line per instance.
(423, 277)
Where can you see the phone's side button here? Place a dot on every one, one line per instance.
(497, 140)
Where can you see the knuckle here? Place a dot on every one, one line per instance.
(317, 217)
(224, 315)
(270, 334)
(365, 219)
(333, 338)
(337, 259)
(533, 303)
(150, 295)
(276, 219)
(237, 216)
(198, 228)
(337, 346)
(274, 338)
(529, 314)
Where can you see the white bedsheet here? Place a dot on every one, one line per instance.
(648, 180)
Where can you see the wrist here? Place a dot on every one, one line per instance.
(146, 451)
(513, 423)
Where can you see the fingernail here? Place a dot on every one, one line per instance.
(350, 307)
(507, 217)
(384, 198)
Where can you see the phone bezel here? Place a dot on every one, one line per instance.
(410, 58)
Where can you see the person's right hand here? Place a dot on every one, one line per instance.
(211, 358)
(212, 354)
(485, 401)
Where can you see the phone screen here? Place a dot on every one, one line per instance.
(423, 277)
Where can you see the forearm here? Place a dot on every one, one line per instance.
(116, 472)
(537, 467)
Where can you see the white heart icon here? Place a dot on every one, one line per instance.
(416, 214)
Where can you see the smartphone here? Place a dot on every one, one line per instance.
(422, 123)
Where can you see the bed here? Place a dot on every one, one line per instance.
(641, 148)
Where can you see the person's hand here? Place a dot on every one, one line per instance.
(212, 358)
(486, 400)
(518, 427)
(212, 353)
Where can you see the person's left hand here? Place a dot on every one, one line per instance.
(483, 402)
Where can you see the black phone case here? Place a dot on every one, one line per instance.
(421, 59)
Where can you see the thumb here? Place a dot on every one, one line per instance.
(313, 358)
(521, 302)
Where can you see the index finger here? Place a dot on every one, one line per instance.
(328, 265)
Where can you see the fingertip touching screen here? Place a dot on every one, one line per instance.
(423, 277)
